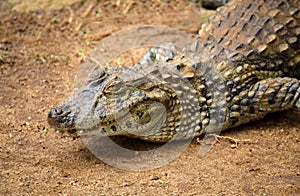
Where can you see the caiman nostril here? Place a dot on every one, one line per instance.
(55, 112)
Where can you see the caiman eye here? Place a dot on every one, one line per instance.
(114, 87)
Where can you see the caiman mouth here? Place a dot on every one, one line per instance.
(106, 127)
(123, 123)
(88, 132)
(66, 126)
(68, 133)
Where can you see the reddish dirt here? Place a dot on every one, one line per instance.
(40, 53)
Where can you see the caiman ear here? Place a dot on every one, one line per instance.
(97, 74)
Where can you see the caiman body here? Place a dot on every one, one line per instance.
(244, 64)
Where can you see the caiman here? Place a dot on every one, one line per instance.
(244, 64)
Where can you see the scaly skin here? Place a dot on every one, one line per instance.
(244, 64)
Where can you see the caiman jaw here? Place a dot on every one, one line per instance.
(68, 133)
(58, 118)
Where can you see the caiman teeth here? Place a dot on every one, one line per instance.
(95, 130)
(68, 133)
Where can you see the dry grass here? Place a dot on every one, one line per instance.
(29, 5)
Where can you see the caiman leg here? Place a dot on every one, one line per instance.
(269, 95)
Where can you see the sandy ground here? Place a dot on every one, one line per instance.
(40, 53)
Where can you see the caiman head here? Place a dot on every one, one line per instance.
(134, 102)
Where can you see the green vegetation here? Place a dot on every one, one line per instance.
(1, 57)
(55, 20)
(80, 53)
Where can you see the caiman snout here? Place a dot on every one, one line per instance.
(59, 118)
(54, 112)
